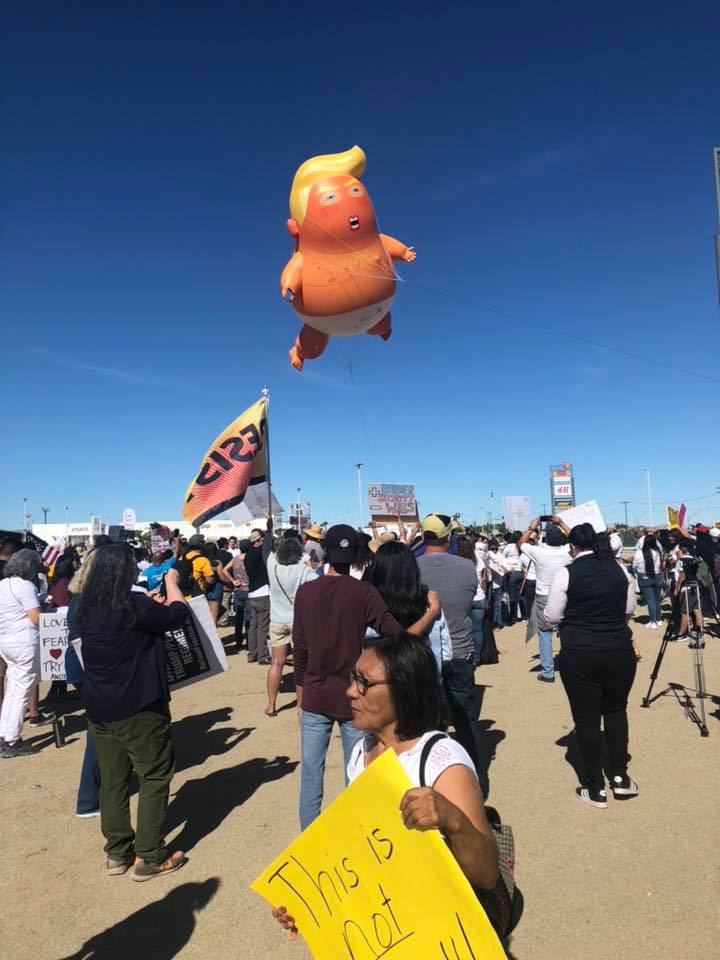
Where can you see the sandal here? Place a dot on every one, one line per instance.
(146, 871)
(271, 713)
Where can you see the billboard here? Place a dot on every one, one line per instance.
(388, 501)
(562, 487)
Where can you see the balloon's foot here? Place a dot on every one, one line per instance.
(295, 359)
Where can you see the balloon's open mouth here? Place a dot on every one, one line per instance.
(354, 223)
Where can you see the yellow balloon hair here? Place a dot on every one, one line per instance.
(351, 161)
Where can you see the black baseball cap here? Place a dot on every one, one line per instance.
(341, 543)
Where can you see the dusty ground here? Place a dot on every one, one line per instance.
(637, 880)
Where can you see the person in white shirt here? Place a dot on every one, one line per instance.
(616, 544)
(548, 558)
(648, 567)
(396, 701)
(511, 556)
(527, 587)
(497, 569)
(19, 646)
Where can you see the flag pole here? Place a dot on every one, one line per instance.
(265, 392)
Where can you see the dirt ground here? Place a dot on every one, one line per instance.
(639, 879)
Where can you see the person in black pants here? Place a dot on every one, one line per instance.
(592, 599)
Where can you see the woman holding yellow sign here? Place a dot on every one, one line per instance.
(396, 699)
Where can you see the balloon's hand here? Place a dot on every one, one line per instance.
(288, 294)
(285, 920)
(409, 255)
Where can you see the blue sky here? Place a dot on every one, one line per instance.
(547, 162)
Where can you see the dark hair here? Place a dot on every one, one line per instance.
(649, 544)
(289, 550)
(364, 556)
(64, 568)
(396, 577)
(464, 547)
(9, 546)
(107, 586)
(210, 551)
(583, 537)
(167, 554)
(413, 682)
(515, 536)
(101, 540)
(222, 543)
(292, 534)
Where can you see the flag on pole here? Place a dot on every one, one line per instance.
(50, 555)
(236, 460)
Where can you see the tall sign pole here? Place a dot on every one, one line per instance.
(358, 467)
(716, 170)
(265, 392)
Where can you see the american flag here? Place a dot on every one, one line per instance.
(50, 555)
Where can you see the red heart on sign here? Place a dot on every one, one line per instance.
(56, 653)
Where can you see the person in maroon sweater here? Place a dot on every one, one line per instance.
(331, 616)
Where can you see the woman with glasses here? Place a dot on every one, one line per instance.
(396, 700)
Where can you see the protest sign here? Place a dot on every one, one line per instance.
(672, 518)
(516, 513)
(194, 650)
(588, 512)
(129, 519)
(254, 505)
(360, 884)
(388, 501)
(160, 537)
(681, 515)
(53, 643)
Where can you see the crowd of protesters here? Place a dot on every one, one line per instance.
(386, 631)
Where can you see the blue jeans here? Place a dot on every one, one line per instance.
(315, 738)
(477, 615)
(546, 653)
(651, 589)
(88, 798)
(496, 603)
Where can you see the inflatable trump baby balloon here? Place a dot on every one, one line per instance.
(340, 280)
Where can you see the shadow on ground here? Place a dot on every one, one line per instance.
(195, 740)
(204, 803)
(160, 930)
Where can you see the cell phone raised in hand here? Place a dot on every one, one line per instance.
(547, 518)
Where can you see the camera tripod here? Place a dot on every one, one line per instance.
(696, 643)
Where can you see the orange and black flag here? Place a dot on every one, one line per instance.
(236, 460)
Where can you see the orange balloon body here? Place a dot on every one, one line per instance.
(340, 280)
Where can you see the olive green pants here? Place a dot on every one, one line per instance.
(141, 743)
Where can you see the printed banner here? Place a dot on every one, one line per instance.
(53, 643)
(236, 460)
(360, 884)
(194, 651)
(516, 513)
(392, 500)
(588, 512)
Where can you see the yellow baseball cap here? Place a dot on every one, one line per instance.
(439, 524)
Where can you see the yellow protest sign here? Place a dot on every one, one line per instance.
(672, 518)
(360, 884)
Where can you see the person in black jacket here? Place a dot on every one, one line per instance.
(127, 697)
(592, 599)
(260, 546)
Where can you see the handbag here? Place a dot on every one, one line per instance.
(489, 653)
(503, 904)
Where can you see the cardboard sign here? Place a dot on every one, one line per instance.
(588, 512)
(53, 643)
(516, 513)
(360, 884)
(194, 651)
(389, 501)
(672, 518)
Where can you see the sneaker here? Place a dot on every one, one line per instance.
(623, 787)
(596, 798)
(116, 868)
(87, 816)
(43, 718)
(543, 679)
(17, 749)
(683, 639)
(147, 871)
(653, 625)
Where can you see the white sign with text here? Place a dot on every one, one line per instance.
(53, 643)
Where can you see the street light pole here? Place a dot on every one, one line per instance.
(359, 493)
(625, 503)
(25, 500)
(298, 505)
(67, 510)
(46, 511)
(650, 507)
